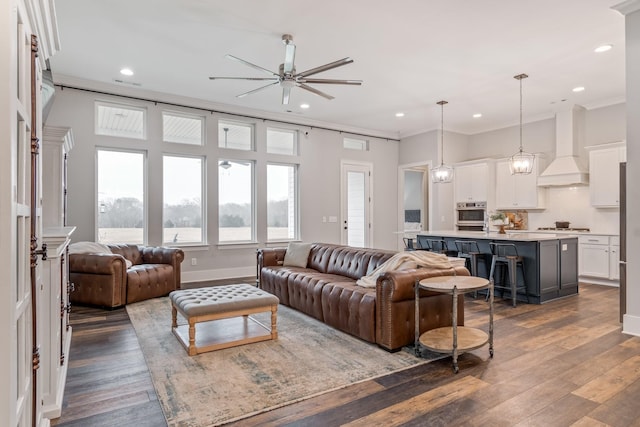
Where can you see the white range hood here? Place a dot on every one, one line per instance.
(567, 168)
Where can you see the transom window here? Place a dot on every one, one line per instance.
(238, 136)
(282, 141)
(182, 128)
(355, 144)
(120, 120)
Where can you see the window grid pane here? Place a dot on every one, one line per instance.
(355, 144)
(282, 141)
(235, 201)
(182, 129)
(238, 136)
(120, 120)
(121, 197)
(182, 210)
(282, 202)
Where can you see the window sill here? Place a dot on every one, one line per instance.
(237, 245)
(189, 247)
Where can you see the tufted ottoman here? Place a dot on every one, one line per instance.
(230, 307)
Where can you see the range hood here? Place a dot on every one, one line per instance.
(567, 168)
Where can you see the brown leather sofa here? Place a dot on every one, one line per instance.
(326, 289)
(104, 279)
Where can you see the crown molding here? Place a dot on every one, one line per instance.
(627, 7)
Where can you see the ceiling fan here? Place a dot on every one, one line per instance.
(287, 76)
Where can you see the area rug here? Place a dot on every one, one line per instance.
(308, 358)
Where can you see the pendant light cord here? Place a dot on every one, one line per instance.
(520, 114)
(441, 103)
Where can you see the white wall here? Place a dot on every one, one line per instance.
(320, 157)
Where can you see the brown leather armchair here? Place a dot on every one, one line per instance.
(104, 279)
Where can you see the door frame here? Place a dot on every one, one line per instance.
(426, 165)
(344, 166)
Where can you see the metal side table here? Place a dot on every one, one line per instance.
(453, 339)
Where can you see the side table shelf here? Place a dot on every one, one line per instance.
(453, 339)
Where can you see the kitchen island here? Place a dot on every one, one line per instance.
(550, 260)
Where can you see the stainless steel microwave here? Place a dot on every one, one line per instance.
(471, 213)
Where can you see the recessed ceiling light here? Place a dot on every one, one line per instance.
(304, 106)
(603, 48)
(477, 115)
(399, 114)
(126, 72)
(578, 89)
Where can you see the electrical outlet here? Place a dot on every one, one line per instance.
(194, 261)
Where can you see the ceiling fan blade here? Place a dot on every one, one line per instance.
(325, 67)
(314, 90)
(286, 93)
(243, 78)
(331, 81)
(257, 67)
(289, 57)
(242, 95)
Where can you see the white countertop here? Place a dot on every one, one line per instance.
(494, 235)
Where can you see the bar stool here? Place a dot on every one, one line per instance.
(422, 243)
(469, 250)
(408, 244)
(505, 256)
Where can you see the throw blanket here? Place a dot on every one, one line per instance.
(405, 261)
(88, 248)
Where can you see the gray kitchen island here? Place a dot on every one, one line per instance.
(550, 260)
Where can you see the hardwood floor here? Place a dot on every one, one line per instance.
(564, 363)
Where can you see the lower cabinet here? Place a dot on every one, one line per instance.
(53, 321)
(599, 259)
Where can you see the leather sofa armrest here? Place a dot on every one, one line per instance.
(268, 257)
(98, 264)
(161, 255)
(398, 285)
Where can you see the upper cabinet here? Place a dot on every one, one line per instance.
(604, 174)
(519, 191)
(471, 182)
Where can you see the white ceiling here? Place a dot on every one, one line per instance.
(409, 53)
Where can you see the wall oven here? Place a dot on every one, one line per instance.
(471, 216)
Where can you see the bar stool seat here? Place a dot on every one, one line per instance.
(505, 257)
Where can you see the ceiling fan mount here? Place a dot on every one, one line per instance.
(287, 77)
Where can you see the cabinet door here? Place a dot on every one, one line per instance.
(604, 169)
(594, 260)
(471, 183)
(614, 262)
(505, 186)
(526, 191)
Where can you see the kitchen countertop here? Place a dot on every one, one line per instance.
(494, 235)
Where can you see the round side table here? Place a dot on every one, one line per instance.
(453, 339)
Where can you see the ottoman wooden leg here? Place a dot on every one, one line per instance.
(274, 316)
(192, 338)
(174, 316)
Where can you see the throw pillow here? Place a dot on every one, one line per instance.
(297, 254)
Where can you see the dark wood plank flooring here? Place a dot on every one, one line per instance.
(564, 363)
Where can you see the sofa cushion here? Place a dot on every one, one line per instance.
(350, 308)
(297, 255)
(149, 281)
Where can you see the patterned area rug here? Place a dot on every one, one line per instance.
(308, 359)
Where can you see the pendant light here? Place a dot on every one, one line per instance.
(521, 163)
(443, 173)
(225, 163)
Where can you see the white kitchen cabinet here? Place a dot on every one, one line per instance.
(519, 191)
(604, 178)
(599, 258)
(471, 182)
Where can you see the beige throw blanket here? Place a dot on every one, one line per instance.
(405, 261)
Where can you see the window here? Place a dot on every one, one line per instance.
(182, 209)
(238, 136)
(182, 128)
(235, 201)
(282, 141)
(121, 199)
(120, 120)
(355, 144)
(282, 202)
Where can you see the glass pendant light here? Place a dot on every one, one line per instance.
(521, 163)
(443, 173)
(225, 163)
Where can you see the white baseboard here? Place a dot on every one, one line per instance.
(631, 325)
(218, 274)
(597, 281)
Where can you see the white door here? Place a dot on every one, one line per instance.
(356, 205)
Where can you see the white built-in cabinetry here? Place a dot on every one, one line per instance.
(53, 299)
(604, 174)
(599, 257)
(519, 191)
(471, 182)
